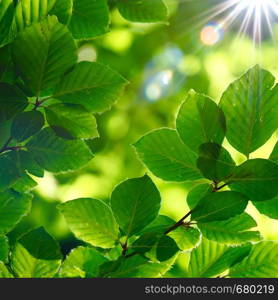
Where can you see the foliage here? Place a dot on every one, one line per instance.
(49, 105)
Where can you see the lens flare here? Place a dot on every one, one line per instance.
(253, 16)
(211, 34)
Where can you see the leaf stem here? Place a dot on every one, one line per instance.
(6, 145)
(179, 223)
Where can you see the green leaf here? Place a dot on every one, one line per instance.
(234, 231)
(6, 19)
(25, 162)
(144, 243)
(167, 157)
(197, 193)
(215, 162)
(4, 272)
(26, 124)
(4, 249)
(257, 179)
(166, 248)
(71, 121)
(31, 11)
(12, 101)
(136, 267)
(262, 262)
(24, 184)
(82, 262)
(36, 255)
(92, 85)
(90, 18)
(219, 206)
(268, 208)
(185, 237)
(135, 204)
(91, 220)
(250, 106)
(43, 52)
(55, 154)
(274, 154)
(9, 172)
(143, 10)
(210, 259)
(13, 207)
(63, 10)
(200, 121)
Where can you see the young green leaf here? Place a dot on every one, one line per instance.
(197, 193)
(71, 121)
(56, 154)
(4, 272)
(92, 85)
(89, 18)
(186, 237)
(167, 157)
(219, 206)
(257, 179)
(143, 10)
(13, 207)
(91, 220)
(210, 259)
(262, 262)
(4, 249)
(135, 204)
(268, 208)
(36, 255)
(215, 162)
(251, 110)
(49, 51)
(82, 262)
(234, 231)
(200, 121)
(26, 124)
(12, 101)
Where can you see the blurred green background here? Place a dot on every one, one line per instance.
(162, 62)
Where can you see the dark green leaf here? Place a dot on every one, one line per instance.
(63, 10)
(135, 204)
(250, 106)
(167, 157)
(257, 179)
(82, 262)
(166, 248)
(197, 193)
(13, 207)
(268, 208)
(200, 121)
(24, 184)
(91, 220)
(219, 206)
(215, 162)
(12, 101)
(234, 231)
(36, 255)
(4, 249)
(9, 172)
(56, 154)
(92, 85)
(143, 10)
(262, 262)
(71, 121)
(6, 19)
(49, 51)
(26, 124)
(89, 18)
(274, 154)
